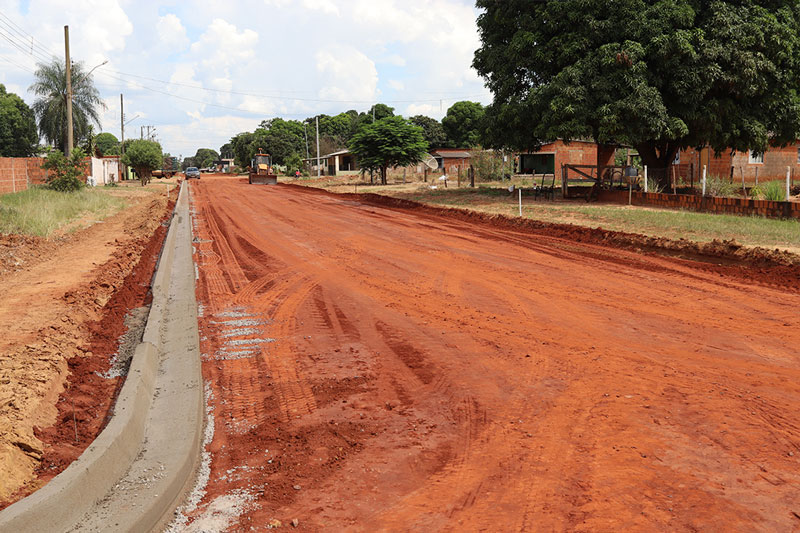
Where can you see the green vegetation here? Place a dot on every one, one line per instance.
(144, 157)
(462, 124)
(389, 142)
(40, 211)
(65, 172)
(107, 144)
(700, 227)
(18, 136)
(721, 187)
(50, 106)
(657, 75)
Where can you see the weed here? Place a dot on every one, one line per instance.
(720, 187)
(41, 211)
(775, 191)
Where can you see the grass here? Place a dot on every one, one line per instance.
(41, 212)
(672, 224)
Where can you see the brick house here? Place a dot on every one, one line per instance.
(452, 160)
(771, 165)
(549, 158)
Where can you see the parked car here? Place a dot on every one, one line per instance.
(192, 172)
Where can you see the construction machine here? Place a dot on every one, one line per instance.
(261, 170)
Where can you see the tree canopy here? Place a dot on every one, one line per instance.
(658, 75)
(107, 143)
(144, 157)
(462, 124)
(18, 136)
(204, 157)
(432, 131)
(389, 142)
(50, 106)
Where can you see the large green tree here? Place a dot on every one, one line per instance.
(389, 142)
(107, 143)
(205, 157)
(50, 106)
(462, 124)
(432, 130)
(143, 157)
(660, 75)
(18, 136)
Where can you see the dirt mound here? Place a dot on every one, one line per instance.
(756, 264)
(53, 401)
(20, 251)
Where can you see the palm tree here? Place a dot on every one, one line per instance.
(50, 105)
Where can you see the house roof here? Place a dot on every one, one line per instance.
(460, 154)
(340, 152)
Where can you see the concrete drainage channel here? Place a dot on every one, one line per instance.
(137, 471)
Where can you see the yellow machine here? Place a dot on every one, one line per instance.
(261, 170)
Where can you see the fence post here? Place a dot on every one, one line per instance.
(645, 178)
(704, 180)
(788, 178)
(691, 176)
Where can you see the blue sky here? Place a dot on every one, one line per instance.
(202, 71)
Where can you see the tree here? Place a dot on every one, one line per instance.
(432, 130)
(143, 157)
(462, 124)
(64, 173)
(226, 151)
(107, 144)
(659, 75)
(50, 105)
(18, 136)
(390, 141)
(205, 157)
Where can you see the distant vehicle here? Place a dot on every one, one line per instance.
(192, 172)
(261, 170)
(169, 168)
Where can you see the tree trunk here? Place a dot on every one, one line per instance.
(383, 175)
(658, 157)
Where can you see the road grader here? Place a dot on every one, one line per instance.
(261, 170)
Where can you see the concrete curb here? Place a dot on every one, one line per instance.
(83, 496)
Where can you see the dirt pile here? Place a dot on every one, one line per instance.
(759, 265)
(53, 402)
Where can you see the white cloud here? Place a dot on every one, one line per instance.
(347, 74)
(397, 85)
(326, 6)
(222, 45)
(172, 34)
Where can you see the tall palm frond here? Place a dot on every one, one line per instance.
(50, 105)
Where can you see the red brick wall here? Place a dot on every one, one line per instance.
(773, 168)
(574, 153)
(732, 206)
(17, 173)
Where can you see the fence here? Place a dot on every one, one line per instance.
(18, 173)
(732, 206)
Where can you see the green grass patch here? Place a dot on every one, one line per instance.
(39, 211)
(673, 224)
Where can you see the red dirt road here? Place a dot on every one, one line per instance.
(386, 369)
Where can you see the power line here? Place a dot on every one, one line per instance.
(20, 31)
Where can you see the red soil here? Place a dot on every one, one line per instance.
(66, 355)
(413, 368)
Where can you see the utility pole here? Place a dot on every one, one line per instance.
(141, 132)
(305, 132)
(69, 92)
(122, 136)
(318, 167)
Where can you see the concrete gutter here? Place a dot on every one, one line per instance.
(137, 471)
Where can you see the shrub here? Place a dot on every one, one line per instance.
(64, 173)
(719, 186)
(775, 191)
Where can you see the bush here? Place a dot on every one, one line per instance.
(720, 187)
(64, 173)
(488, 165)
(775, 191)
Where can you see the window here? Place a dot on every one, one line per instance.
(756, 157)
(677, 158)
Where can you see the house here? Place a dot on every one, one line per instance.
(341, 163)
(767, 166)
(551, 156)
(103, 170)
(451, 160)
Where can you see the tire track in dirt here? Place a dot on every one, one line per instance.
(425, 374)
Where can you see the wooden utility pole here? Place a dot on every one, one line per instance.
(122, 136)
(69, 92)
(318, 167)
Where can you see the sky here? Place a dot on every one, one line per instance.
(201, 71)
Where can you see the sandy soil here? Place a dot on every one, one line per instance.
(62, 313)
(390, 369)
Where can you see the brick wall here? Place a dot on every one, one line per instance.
(730, 206)
(17, 173)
